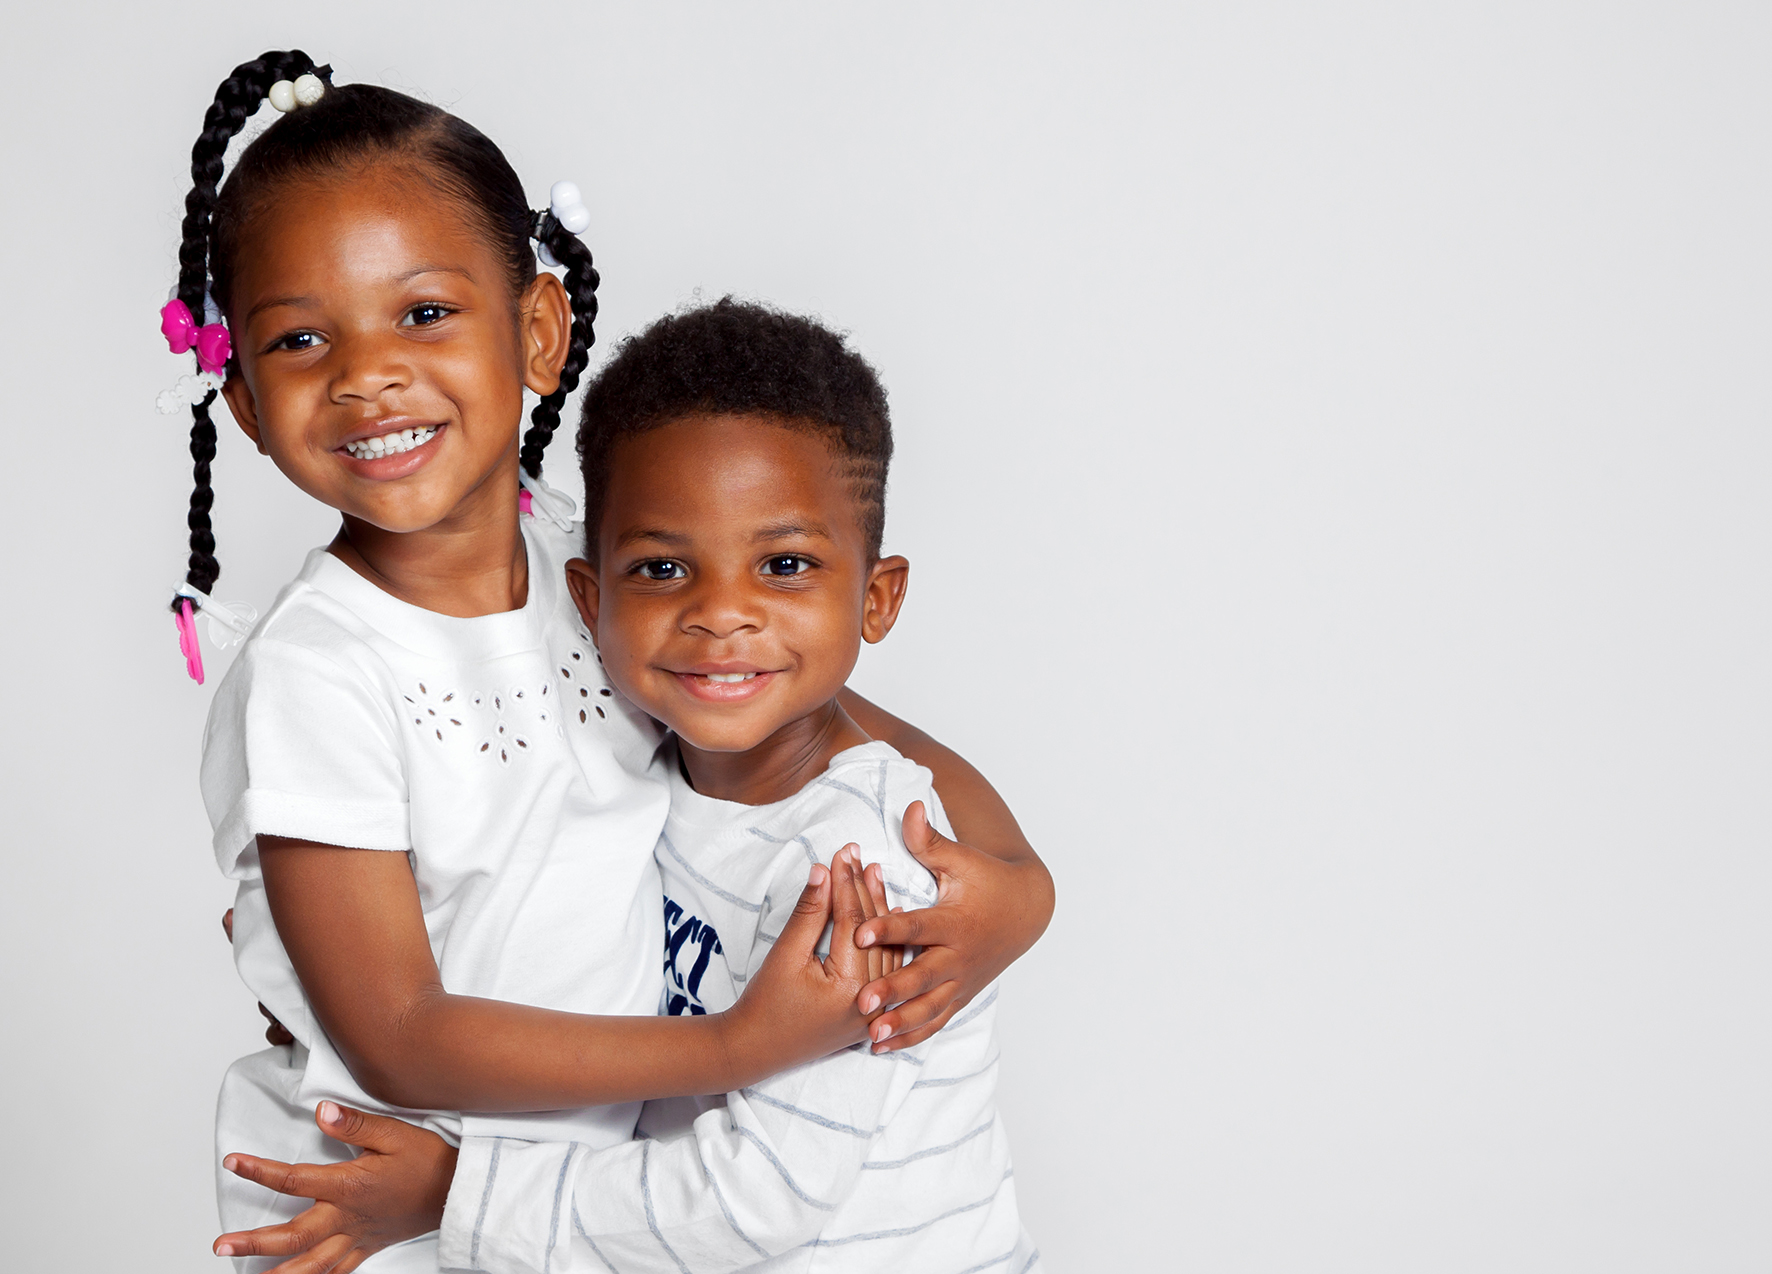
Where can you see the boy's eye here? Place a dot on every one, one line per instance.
(787, 564)
(425, 314)
(661, 569)
(296, 341)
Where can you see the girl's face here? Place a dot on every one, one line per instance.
(382, 358)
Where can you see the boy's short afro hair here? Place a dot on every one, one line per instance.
(738, 358)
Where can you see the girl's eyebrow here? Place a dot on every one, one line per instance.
(417, 270)
(299, 302)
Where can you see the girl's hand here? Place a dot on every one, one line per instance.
(393, 1191)
(973, 932)
(799, 1007)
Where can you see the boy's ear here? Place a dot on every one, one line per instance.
(239, 399)
(546, 333)
(581, 582)
(886, 585)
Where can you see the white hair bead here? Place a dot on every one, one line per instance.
(576, 219)
(564, 194)
(308, 89)
(283, 96)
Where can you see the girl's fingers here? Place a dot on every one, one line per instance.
(805, 926)
(297, 1234)
(846, 915)
(870, 894)
(915, 1036)
(300, 1180)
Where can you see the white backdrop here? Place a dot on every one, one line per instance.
(1335, 461)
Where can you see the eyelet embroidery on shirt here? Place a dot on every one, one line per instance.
(431, 714)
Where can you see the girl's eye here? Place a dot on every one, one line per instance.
(787, 564)
(297, 341)
(661, 569)
(426, 314)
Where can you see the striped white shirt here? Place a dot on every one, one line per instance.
(856, 1162)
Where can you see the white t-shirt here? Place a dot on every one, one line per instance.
(857, 1162)
(494, 754)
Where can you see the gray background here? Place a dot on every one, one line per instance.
(1335, 462)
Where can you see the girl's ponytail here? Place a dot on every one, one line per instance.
(235, 102)
(562, 246)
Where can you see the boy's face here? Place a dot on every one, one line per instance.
(732, 590)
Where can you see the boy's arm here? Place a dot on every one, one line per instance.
(352, 924)
(996, 894)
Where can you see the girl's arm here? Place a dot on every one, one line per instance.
(996, 894)
(352, 924)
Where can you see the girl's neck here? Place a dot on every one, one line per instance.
(779, 766)
(471, 563)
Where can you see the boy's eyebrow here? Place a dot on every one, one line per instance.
(788, 530)
(635, 534)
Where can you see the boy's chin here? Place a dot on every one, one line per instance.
(720, 736)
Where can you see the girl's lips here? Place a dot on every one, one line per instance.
(397, 464)
(702, 687)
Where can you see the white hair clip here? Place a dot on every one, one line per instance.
(229, 622)
(545, 502)
(304, 90)
(566, 205)
(188, 391)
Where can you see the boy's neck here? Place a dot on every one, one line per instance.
(779, 766)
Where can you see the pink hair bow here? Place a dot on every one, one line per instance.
(182, 333)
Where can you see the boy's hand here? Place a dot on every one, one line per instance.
(799, 1007)
(968, 937)
(395, 1190)
(276, 1032)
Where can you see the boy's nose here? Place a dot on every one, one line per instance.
(722, 610)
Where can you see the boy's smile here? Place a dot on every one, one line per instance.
(732, 593)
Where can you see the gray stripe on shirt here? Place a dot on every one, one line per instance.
(934, 1150)
(485, 1202)
(912, 1229)
(704, 882)
(547, 1264)
(780, 1167)
(809, 1116)
(579, 1225)
(949, 1080)
(646, 1198)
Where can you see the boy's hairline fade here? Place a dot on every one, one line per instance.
(742, 359)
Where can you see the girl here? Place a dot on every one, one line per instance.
(440, 815)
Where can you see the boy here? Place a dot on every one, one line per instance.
(735, 467)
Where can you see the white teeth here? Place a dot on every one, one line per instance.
(391, 444)
(730, 676)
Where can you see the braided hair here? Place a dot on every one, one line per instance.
(348, 127)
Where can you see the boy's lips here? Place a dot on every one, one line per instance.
(724, 682)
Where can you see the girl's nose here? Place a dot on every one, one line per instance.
(368, 366)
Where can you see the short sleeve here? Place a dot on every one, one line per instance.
(299, 745)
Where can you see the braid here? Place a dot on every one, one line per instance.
(235, 102)
(581, 288)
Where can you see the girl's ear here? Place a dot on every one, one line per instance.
(886, 585)
(240, 402)
(546, 333)
(581, 582)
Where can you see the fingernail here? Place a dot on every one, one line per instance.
(818, 873)
(864, 939)
(869, 1003)
(329, 1113)
(232, 1163)
(224, 1249)
(879, 1031)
